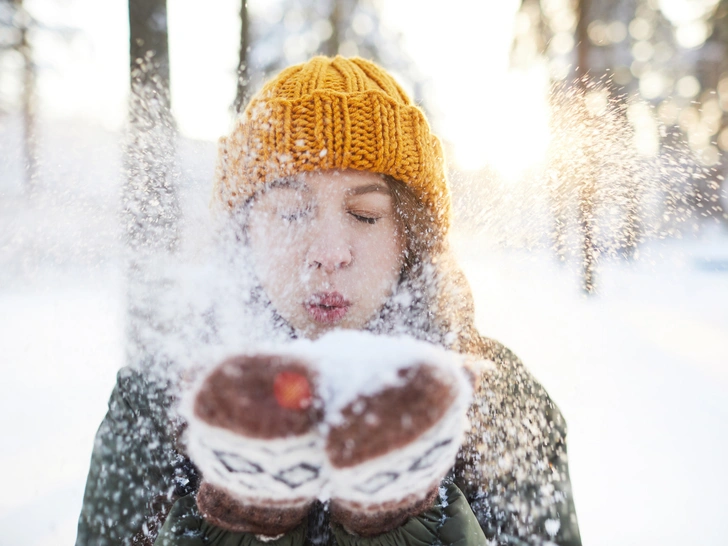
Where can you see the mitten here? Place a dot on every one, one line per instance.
(396, 415)
(370, 422)
(252, 432)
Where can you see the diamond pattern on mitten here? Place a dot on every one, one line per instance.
(253, 430)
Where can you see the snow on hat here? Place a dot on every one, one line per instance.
(332, 113)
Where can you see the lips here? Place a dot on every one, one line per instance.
(327, 307)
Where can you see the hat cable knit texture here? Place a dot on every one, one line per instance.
(332, 113)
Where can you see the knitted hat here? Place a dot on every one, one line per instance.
(332, 113)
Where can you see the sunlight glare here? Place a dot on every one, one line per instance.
(473, 107)
(517, 134)
(646, 129)
(685, 11)
(203, 47)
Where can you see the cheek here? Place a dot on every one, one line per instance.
(383, 255)
(276, 252)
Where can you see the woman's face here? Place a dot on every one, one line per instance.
(327, 248)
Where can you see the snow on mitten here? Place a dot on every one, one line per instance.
(252, 432)
(396, 409)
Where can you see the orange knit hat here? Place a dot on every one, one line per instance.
(332, 113)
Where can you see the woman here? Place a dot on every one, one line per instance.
(337, 191)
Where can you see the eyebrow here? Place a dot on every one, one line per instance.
(289, 184)
(369, 188)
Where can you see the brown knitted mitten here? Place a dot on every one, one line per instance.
(252, 433)
(370, 422)
(389, 446)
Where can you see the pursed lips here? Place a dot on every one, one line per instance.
(327, 307)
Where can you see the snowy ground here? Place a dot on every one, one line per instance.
(641, 374)
(640, 371)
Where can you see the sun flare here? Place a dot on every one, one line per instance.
(512, 135)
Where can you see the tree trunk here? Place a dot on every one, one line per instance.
(558, 209)
(149, 46)
(582, 40)
(632, 218)
(241, 96)
(587, 183)
(331, 46)
(28, 99)
(150, 202)
(586, 212)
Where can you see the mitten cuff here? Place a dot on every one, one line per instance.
(374, 520)
(221, 509)
(449, 521)
(185, 527)
(421, 529)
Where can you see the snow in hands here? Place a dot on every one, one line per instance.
(353, 417)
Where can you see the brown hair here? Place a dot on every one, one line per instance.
(422, 237)
(442, 309)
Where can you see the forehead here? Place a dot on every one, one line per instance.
(344, 183)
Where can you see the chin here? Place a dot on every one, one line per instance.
(313, 330)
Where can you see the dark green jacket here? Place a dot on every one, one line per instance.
(140, 488)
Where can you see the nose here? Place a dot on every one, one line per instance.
(329, 248)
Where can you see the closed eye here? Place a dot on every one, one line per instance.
(364, 218)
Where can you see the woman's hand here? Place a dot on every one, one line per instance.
(252, 433)
(392, 448)
(372, 423)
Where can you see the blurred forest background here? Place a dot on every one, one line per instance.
(629, 145)
(587, 144)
